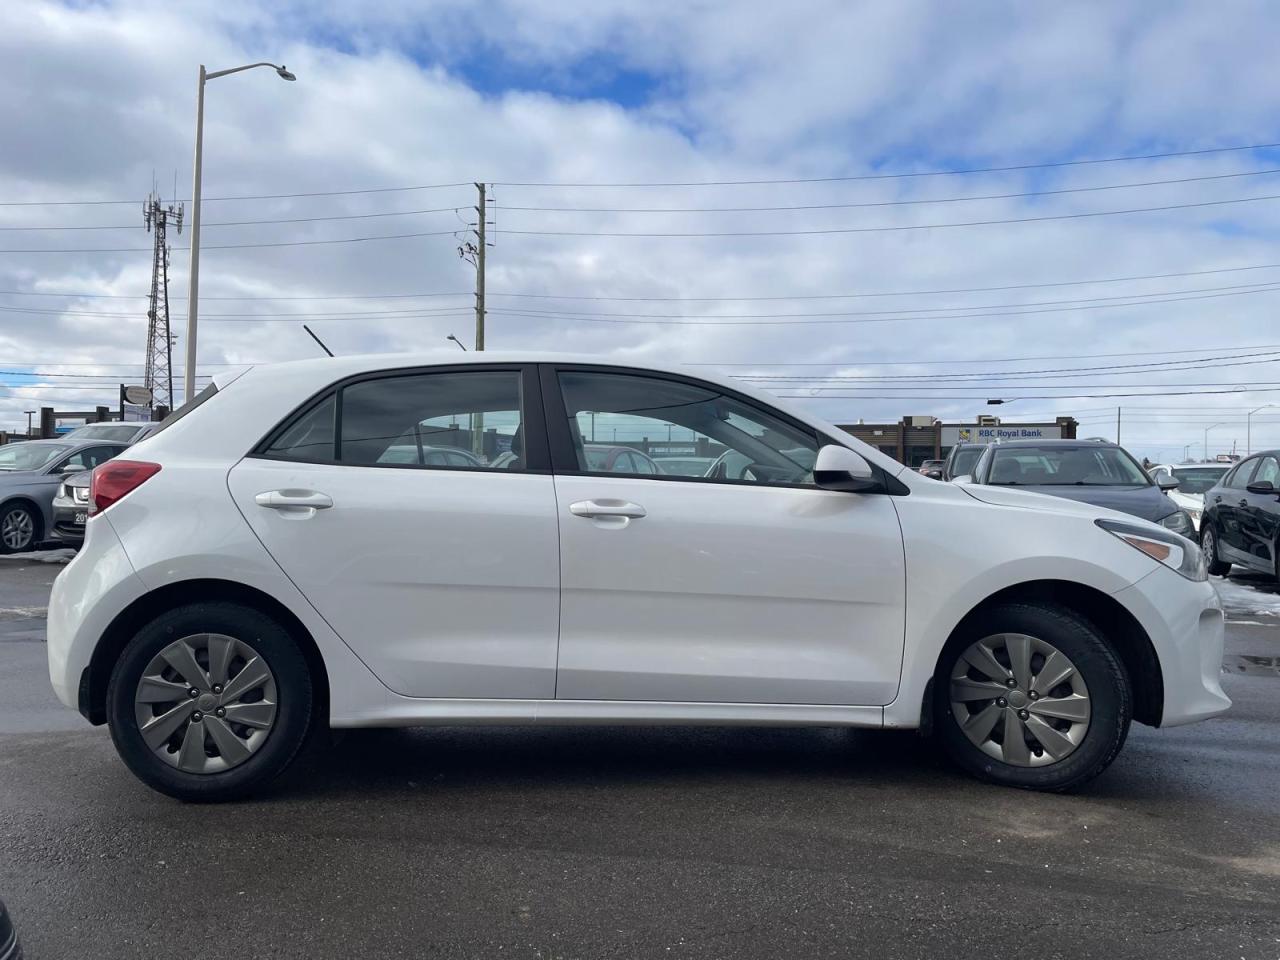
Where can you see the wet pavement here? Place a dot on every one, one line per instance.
(642, 842)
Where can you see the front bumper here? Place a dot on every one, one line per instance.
(65, 527)
(1185, 623)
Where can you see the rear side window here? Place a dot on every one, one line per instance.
(310, 437)
(467, 420)
(1238, 479)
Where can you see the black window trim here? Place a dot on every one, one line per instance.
(564, 457)
(537, 456)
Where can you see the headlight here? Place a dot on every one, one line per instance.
(1179, 522)
(1176, 552)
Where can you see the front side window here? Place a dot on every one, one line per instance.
(1087, 465)
(622, 423)
(29, 455)
(467, 420)
(965, 459)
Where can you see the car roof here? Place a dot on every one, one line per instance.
(75, 443)
(1055, 442)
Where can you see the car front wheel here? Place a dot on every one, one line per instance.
(19, 528)
(1209, 544)
(210, 701)
(1031, 696)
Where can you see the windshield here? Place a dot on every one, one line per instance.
(1197, 479)
(965, 460)
(29, 456)
(1086, 465)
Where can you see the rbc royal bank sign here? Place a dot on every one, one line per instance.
(975, 434)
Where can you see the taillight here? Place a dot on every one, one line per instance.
(114, 479)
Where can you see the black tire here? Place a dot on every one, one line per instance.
(16, 512)
(1209, 538)
(1110, 694)
(294, 698)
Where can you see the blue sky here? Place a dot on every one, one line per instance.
(395, 93)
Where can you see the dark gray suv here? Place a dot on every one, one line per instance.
(1091, 471)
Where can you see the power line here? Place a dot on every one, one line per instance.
(885, 203)
(713, 322)
(902, 176)
(242, 246)
(881, 229)
(259, 196)
(1028, 396)
(1056, 356)
(247, 223)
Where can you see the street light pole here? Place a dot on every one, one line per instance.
(1248, 427)
(1206, 438)
(193, 276)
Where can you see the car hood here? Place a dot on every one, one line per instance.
(1148, 503)
(1189, 501)
(17, 476)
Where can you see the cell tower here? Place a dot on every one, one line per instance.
(158, 377)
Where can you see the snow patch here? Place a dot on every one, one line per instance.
(1244, 598)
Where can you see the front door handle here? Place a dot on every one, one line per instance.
(607, 508)
(294, 503)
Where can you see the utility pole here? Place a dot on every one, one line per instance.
(157, 375)
(1117, 426)
(482, 211)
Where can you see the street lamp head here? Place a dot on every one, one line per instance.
(284, 73)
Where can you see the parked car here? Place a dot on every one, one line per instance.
(30, 474)
(736, 465)
(1090, 471)
(242, 583)
(961, 460)
(10, 948)
(607, 458)
(932, 469)
(115, 431)
(685, 466)
(1241, 523)
(70, 507)
(1193, 480)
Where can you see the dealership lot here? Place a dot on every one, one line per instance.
(578, 842)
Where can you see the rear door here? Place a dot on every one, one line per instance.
(763, 589)
(1229, 500)
(443, 578)
(1260, 518)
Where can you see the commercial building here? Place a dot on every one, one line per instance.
(915, 439)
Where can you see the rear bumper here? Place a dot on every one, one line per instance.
(87, 596)
(1185, 623)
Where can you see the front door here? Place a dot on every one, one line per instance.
(1230, 501)
(1259, 517)
(417, 515)
(747, 585)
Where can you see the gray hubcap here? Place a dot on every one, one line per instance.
(1210, 548)
(206, 703)
(17, 529)
(1020, 700)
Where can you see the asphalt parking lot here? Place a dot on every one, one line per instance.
(635, 842)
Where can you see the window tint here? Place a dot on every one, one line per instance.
(1269, 469)
(467, 419)
(309, 438)
(965, 459)
(1087, 465)
(1238, 479)
(650, 417)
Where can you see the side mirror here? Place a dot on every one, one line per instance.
(1166, 482)
(839, 468)
(71, 468)
(1263, 487)
(933, 474)
(963, 478)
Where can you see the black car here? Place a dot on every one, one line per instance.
(10, 949)
(961, 460)
(1091, 471)
(1241, 520)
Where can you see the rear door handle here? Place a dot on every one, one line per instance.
(301, 503)
(607, 508)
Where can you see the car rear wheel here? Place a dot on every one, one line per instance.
(1209, 544)
(1032, 696)
(210, 701)
(19, 528)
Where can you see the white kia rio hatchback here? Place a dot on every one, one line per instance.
(293, 549)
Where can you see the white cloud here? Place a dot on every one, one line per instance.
(101, 97)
